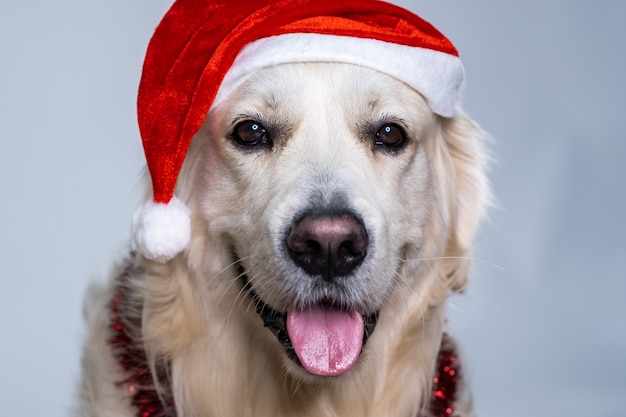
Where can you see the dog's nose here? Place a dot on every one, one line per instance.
(330, 245)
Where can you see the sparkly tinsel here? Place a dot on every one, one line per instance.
(126, 346)
(445, 380)
(138, 381)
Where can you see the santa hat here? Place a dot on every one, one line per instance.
(204, 49)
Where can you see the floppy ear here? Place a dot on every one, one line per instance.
(467, 193)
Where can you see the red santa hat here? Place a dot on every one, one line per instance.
(202, 50)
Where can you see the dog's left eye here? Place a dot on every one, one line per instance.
(250, 133)
(390, 136)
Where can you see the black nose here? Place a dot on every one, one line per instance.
(330, 245)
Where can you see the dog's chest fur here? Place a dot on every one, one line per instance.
(133, 391)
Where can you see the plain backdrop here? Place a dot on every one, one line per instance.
(542, 322)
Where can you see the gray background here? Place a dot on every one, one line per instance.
(542, 323)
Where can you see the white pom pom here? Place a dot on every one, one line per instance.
(161, 231)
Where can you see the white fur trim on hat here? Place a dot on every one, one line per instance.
(161, 231)
(438, 76)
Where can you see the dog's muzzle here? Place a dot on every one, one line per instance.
(325, 339)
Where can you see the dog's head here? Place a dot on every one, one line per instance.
(333, 195)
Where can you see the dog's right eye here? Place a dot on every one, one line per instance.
(390, 136)
(250, 133)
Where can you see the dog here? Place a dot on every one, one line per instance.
(333, 214)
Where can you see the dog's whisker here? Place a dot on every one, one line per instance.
(402, 279)
(423, 316)
(295, 387)
(228, 287)
(234, 280)
(239, 299)
(469, 258)
(264, 282)
(225, 269)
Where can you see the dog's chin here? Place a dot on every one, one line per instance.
(323, 339)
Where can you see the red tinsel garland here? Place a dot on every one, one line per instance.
(131, 357)
(445, 380)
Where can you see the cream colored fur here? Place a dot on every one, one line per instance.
(421, 207)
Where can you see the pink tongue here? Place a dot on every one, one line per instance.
(327, 341)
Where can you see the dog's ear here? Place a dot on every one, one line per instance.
(467, 193)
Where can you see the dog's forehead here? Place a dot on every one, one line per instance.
(299, 89)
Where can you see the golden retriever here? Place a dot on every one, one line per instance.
(333, 214)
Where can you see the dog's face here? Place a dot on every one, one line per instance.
(323, 184)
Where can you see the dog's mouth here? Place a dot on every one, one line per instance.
(324, 339)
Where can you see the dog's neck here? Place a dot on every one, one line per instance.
(150, 401)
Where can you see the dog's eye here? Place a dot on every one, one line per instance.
(250, 133)
(390, 136)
